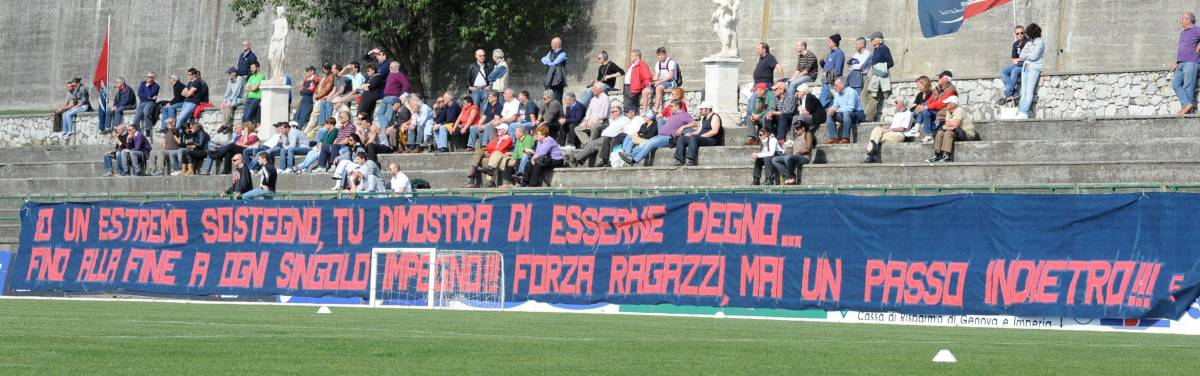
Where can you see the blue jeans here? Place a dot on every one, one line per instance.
(305, 111)
(250, 110)
(69, 118)
(109, 160)
(585, 95)
(134, 159)
(786, 164)
(288, 156)
(250, 155)
(512, 127)
(257, 193)
(643, 150)
(169, 111)
(1011, 75)
(928, 121)
(826, 96)
(185, 113)
(384, 112)
(796, 83)
(114, 118)
(522, 164)
(479, 96)
(324, 112)
(441, 136)
(1184, 83)
(627, 145)
(1029, 79)
(481, 134)
(416, 135)
(143, 111)
(848, 119)
(309, 159)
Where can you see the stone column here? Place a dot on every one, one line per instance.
(721, 83)
(274, 108)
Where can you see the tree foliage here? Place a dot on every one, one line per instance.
(418, 33)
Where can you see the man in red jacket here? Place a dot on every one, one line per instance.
(927, 113)
(487, 163)
(636, 82)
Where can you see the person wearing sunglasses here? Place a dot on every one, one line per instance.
(1011, 74)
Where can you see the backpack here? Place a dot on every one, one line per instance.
(678, 72)
(419, 184)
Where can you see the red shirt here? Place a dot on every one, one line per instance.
(469, 116)
(500, 144)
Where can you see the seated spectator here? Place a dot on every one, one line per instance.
(846, 109)
(600, 146)
(926, 113)
(345, 164)
(490, 159)
(445, 113)
(691, 138)
(196, 141)
(510, 109)
(1011, 74)
(593, 119)
(546, 157)
(351, 82)
(79, 102)
(671, 128)
(573, 114)
(551, 112)
(147, 94)
(527, 113)
(267, 176)
(924, 92)
(321, 150)
(371, 91)
(222, 156)
(241, 179)
(329, 88)
(172, 108)
(893, 134)
(173, 151)
(800, 154)
(113, 157)
(606, 76)
(195, 94)
(484, 131)
(136, 152)
(666, 74)
(809, 113)
(292, 143)
(518, 162)
(765, 155)
(779, 117)
(269, 144)
(760, 103)
(231, 100)
(468, 120)
(806, 67)
(400, 182)
(123, 100)
(958, 127)
(367, 178)
(647, 128)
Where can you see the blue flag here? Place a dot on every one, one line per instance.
(940, 17)
(102, 109)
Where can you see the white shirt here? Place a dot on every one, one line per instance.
(510, 108)
(862, 59)
(401, 184)
(480, 77)
(664, 68)
(633, 125)
(615, 127)
(902, 120)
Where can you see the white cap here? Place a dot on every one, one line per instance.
(706, 104)
(503, 127)
(951, 99)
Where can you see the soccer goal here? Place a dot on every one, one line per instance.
(436, 278)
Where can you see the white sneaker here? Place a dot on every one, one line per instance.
(286, 171)
(176, 173)
(927, 139)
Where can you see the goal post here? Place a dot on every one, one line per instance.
(436, 278)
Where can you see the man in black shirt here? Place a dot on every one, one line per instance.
(241, 178)
(1011, 74)
(172, 108)
(767, 67)
(606, 76)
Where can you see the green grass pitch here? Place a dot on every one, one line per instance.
(100, 338)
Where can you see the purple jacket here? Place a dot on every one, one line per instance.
(139, 143)
(397, 84)
(548, 146)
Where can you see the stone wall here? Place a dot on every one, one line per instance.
(36, 130)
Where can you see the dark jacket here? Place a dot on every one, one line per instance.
(473, 70)
(648, 130)
(242, 184)
(199, 140)
(813, 105)
(244, 60)
(881, 54)
(124, 99)
(269, 174)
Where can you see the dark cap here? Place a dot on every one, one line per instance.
(327, 66)
(876, 35)
(946, 73)
(836, 38)
(230, 70)
(311, 68)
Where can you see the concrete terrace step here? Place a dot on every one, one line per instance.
(1015, 151)
(1115, 128)
(188, 184)
(904, 173)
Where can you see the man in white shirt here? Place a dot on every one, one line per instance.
(593, 120)
(599, 148)
(664, 77)
(889, 134)
(511, 108)
(400, 182)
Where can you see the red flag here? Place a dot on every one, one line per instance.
(101, 77)
(975, 7)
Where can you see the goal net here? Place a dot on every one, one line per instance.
(436, 278)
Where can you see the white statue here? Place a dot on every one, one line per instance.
(275, 53)
(724, 20)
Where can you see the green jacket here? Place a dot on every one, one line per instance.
(521, 145)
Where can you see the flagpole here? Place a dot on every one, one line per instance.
(108, 40)
(1015, 2)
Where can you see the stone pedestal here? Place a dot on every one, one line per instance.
(721, 83)
(273, 109)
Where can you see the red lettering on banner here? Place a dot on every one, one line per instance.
(225, 225)
(576, 225)
(520, 216)
(760, 271)
(668, 274)
(826, 281)
(45, 221)
(916, 283)
(200, 263)
(400, 269)
(50, 265)
(243, 270)
(153, 226)
(349, 230)
(432, 224)
(76, 228)
(733, 223)
(152, 267)
(99, 265)
(299, 271)
(1104, 283)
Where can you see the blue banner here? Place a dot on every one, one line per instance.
(1086, 256)
(5, 256)
(940, 17)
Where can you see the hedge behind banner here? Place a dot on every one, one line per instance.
(1086, 256)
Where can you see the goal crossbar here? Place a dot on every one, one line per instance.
(467, 279)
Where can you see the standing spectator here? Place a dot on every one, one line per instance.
(833, 64)
(230, 100)
(172, 150)
(806, 66)
(809, 112)
(308, 88)
(687, 147)
(546, 157)
(397, 85)
(893, 134)
(879, 82)
(856, 79)
(572, 115)
(636, 81)
(197, 143)
(606, 76)
(241, 179)
(599, 146)
(372, 90)
(593, 119)
(326, 91)
(764, 157)
(665, 77)
(556, 68)
(400, 182)
(79, 103)
(147, 96)
(801, 154)
(779, 117)
(196, 93)
(1187, 59)
(1011, 74)
(846, 109)
(551, 112)
(761, 102)
(958, 127)
(172, 108)
(1031, 70)
(671, 128)
(267, 175)
(253, 94)
(243, 65)
(927, 113)
(477, 76)
(124, 100)
(767, 67)
(499, 76)
(468, 121)
(292, 143)
(115, 156)
(136, 152)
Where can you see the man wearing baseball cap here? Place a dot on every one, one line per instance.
(231, 100)
(957, 127)
(692, 137)
(761, 102)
